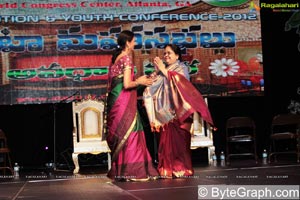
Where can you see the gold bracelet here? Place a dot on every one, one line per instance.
(136, 84)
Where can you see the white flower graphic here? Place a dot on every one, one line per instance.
(259, 57)
(224, 67)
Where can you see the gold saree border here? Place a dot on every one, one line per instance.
(121, 144)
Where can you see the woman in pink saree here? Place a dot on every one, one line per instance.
(170, 102)
(125, 135)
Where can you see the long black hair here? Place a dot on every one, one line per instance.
(124, 37)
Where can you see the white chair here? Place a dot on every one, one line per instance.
(88, 118)
(202, 136)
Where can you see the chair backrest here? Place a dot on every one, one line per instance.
(2, 135)
(240, 122)
(3, 139)
(88, 137)
(240, 125)
(286, 121)
(199, 126)
(88, 120)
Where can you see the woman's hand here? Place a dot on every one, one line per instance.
(153, 75)
(159, 64)
(144, 80)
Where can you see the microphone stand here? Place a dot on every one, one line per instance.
(54, 124)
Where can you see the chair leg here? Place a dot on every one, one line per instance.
(211, 152)
(270, 152)
(4, 163)
(255, 152)
(75, 161)
(6, 158)
(10, 165)
(227, 154)
(274, 151)
(109, 160)
(298, 148)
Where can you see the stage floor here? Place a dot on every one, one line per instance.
(92, 183)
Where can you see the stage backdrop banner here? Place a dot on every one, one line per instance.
(55, 51)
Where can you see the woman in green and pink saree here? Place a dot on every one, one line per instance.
(125, 135)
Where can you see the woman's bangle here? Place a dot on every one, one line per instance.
(136, 83)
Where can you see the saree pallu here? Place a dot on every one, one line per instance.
(125, 136)
(173, 97)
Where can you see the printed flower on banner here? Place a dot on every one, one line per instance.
(259, 57)
(224, 67)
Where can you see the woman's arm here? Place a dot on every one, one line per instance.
(128, 83)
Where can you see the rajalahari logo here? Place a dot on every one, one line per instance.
(225, 3)
(281, 7)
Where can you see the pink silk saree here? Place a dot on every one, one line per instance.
(125, 135)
